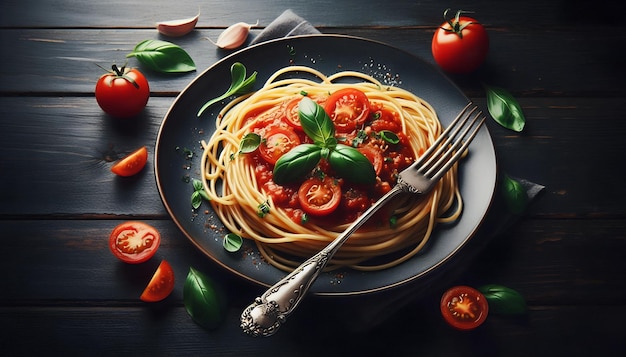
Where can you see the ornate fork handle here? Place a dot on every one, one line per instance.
(269, 311)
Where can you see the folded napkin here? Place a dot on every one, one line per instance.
(375, 309)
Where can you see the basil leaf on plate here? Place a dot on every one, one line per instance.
(232, 242)
(503, 300)
(296, 163)
(203, 300)
(505, 109)
(239, 85)
(352, 165)
(316, 124)
(514, 195)
(163, 56)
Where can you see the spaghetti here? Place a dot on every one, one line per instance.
(239, 184)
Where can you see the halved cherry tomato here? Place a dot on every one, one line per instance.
(291, 113)
(277, 142)
(161, 285)
(464, 308)
(348, 108)
(134, 242)
(319, 197)
(131, 164)
(374, 156)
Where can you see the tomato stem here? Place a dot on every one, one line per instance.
(455, 24)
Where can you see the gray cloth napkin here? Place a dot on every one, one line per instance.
(371, 313)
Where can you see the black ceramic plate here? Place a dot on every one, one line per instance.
(181, 132)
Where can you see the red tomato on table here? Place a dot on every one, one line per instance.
(123, 92)
(460, 45)
(134, 242)
(464, 308)
(131, 164)
(161, 285)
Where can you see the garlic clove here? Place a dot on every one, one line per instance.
(234, 36)
(177, 28)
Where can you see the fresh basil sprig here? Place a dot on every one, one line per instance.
(505, 109)
(163, 56)
(503, 300)
(198, 194)
(239, 85)
(204, 300)
(347, 161)
(232, 242)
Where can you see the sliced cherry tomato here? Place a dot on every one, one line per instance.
(291, 113)
(319, 197)
(460, 45)
(134, 242)
(277, 142)
(348, 108)
(131, 164)
(123, 92)
(161, 285)
(374, 156)
(464, 308)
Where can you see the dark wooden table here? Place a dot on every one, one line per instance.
(63, 293)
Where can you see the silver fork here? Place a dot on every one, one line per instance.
(269, 311)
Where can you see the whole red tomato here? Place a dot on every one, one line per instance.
(460, 45)
(123, 92)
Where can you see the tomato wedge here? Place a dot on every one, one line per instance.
(348, 108)
(319, 197)
(464, 308)
(161, 285)
(134, 242)
(131, 164)
(277, 142)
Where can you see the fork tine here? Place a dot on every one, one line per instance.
(450, 145)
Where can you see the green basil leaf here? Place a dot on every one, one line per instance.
(505, 109)
(197, 185)
(163, 56)
(297, 163)
(389, 136)
(249, 143)
(196, 199)
(503, 300)
(316, 124)
(263, 209)
(232, 242)
(204, 195)
(352, 165)
(239, 85)
(203, 300)
(514, 195)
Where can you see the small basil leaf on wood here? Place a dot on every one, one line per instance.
(505, 109)
(232, 242)
(203, 299)
(351, 164)
(514, 195)
(249, 143)
(239, 85)
(503, 300)
(163, 56)
(297, 163)
(316, 124)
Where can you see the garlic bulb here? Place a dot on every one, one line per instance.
(234, 36)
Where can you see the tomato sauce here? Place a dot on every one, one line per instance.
(388, 159)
